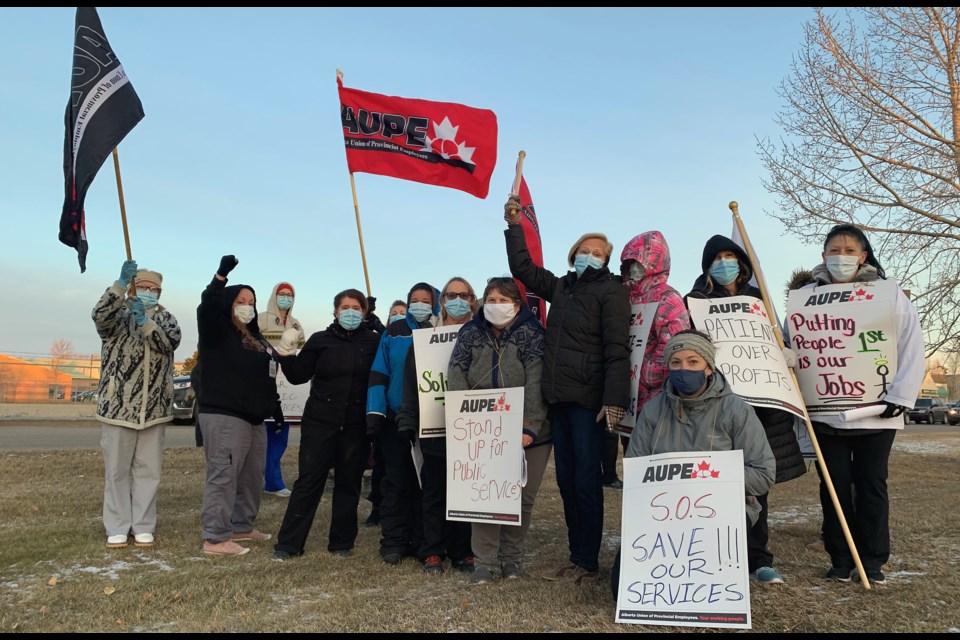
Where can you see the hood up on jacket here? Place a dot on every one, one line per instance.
(650, 250)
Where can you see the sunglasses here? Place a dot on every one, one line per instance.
(463, 295)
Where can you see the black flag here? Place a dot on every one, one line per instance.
(102, 109)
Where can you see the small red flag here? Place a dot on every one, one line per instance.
(531, 233)
(439, 143)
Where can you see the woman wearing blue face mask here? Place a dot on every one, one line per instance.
(336, 362)
(727, 271)
(586, 378)
(273, 322)
(697, 411)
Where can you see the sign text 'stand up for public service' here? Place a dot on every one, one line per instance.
(683, 541)
(485, 455)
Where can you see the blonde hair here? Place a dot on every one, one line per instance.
(588, 236)
(443, 293)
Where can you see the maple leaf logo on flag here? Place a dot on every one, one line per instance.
(445, 143)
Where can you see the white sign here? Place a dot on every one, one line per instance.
(846, 343)
(641, 320)
(684, 541)
(293, 397)
(748, 354)
(484, 455)
(432, 348)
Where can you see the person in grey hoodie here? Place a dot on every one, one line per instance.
(697, 411)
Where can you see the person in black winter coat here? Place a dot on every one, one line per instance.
(336, 362)
(585, 378)
(726, 272)
(239, 391)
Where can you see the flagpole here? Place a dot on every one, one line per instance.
(356, 210)
(765, 297)
(123, 217)
(516, 180)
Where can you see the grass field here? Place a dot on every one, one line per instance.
(57, 576)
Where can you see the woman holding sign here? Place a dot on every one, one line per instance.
(586, 378)
(727, 272)
(856, 452)
(502, 347)
(441, 538)
(336, 362)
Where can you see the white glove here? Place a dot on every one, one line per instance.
(288, 342)
(790, 357)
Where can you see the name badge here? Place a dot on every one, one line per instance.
(273, 368)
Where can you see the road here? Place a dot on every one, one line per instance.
(41, 435)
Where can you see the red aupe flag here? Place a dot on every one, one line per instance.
(531, 233)
(440, 143)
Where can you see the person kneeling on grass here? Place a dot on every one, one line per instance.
(697, 411)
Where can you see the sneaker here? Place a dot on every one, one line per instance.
(581, 575)
(225, 548)
(392, 557)
(841, 574)
(117, 542)
(466, 565)
(875, 576)
(481, 575)
(766, 575)
(433, 564)
(374, 518)
(143, 539)
(282, 555)
(282, 493)
(250, 536)
(562, 572)
(510, 570)
(343, 553)
(616, 484)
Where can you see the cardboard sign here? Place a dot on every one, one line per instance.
(484, 455)
(684, 542)
(641, 320)
(432, 348)
(747, 351)
(845, 339)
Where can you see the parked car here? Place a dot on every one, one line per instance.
(185, 407)
(929, 410)
(953, 413)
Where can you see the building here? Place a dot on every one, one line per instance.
(23, 381)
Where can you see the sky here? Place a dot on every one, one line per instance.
(632, 120)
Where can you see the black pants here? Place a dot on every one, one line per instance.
(858, 466)
(610, 453)
(344, 450)
(401, 527)
(377, 471)
(441, 537)
(758, 554)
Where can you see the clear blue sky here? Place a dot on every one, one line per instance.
(633, 119)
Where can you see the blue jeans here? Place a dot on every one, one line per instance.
(276, 446)
(577, 449)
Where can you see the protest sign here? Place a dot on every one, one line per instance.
(641, 319)
(432, 347)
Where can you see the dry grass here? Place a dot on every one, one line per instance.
(50, 528)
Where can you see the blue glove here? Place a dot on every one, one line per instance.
(139, 311)
(127, 273)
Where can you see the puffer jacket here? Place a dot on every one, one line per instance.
(650, 250)
(136, 363)
(586, 352)
(716, 420)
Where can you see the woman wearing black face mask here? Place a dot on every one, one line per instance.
(727, 271)
(697, 411)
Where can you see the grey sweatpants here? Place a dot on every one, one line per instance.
(131, 463)
(494, 544)
(235, 451)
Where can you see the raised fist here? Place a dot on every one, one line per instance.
(227, 263)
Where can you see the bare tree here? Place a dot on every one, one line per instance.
(872, 138)
(61, 351)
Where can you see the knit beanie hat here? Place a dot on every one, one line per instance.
(152, 276)
(693, 341)
(588, 236)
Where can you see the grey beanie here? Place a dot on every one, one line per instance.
(694, 342)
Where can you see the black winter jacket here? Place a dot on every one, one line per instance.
(586, 355)
(235, 378)
(337, 363)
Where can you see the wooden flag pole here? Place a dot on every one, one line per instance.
(123, 218)
(765, 296)
(356, 211)
(516, 180)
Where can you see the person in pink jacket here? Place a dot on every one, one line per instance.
(645, 269)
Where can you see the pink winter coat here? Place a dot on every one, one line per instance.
(650, 250)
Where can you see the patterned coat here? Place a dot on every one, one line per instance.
(136, 363)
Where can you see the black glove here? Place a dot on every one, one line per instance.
(892, 410)
(374, 423)
(278, 417)
(227, 263)
(371, 304)
(407, 435)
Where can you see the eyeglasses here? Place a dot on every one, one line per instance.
(141, 287)
(453, 295)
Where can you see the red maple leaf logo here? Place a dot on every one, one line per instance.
(870, 296)
(714, 474)
(703, 466)
(506, 407)
(861, 292)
